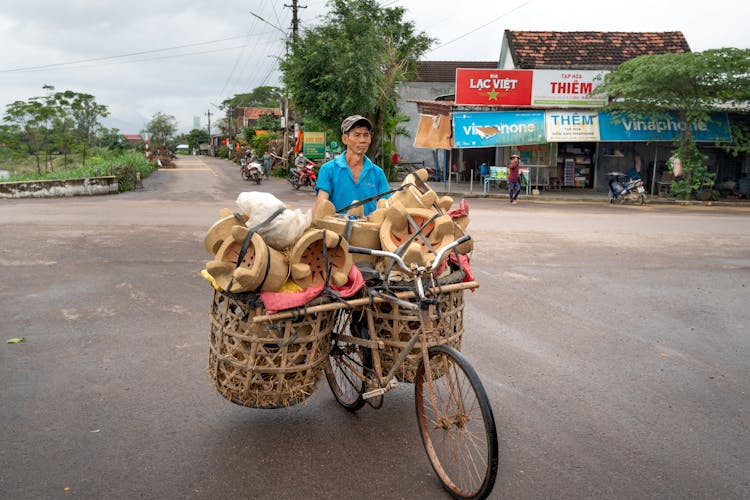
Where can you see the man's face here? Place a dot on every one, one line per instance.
(357, 140)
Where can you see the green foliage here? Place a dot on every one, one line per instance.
(223, 152)
(196, 137)
(57, 121)
(259, 97)
(112, 140)
(128, 167)
(693, 84)
(352, 62)
(161, 127)
(260, 142)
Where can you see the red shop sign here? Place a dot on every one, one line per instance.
(494, 87)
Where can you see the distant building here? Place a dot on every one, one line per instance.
(247, 117)
(133, 139)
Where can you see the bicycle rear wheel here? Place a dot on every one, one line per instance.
(347, 364)
(457, 424)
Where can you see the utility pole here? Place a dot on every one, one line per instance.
(210, 143)
(295, 18)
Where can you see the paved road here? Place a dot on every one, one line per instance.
(612, 341)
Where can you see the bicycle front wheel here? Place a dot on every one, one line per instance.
(347, 364)
(456, 423)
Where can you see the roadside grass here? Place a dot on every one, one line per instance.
(129, 167)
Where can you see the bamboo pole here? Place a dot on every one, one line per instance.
(359, 302)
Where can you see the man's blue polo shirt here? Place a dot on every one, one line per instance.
(335, 178)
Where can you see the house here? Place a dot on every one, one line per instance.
(247, 117)
(539, 51)
(584, 49)
(435, 80)
(133, 139)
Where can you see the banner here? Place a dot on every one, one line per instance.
(499, 128)
(493, 87)
(570, 88)
(314, 145)
(663, 127)
(572, 126)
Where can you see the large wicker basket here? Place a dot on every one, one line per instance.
(265, 365)
(396, 325)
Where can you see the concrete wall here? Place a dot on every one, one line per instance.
(417, 91)
(62, 187)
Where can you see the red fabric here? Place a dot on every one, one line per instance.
(463, 262)
(278, 301)
(513, 171)
(461, 211)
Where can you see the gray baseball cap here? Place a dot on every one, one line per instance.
(353, 120)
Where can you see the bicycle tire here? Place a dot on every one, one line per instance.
(457, 426)
(345, 358)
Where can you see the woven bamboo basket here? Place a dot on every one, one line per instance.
(265, 365)
(396, 326)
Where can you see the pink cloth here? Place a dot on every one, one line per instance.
(278, 301)
(461, 211)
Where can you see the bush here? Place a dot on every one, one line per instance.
(128, 167)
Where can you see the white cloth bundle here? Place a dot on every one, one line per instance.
(284, 230)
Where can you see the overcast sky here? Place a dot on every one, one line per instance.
(183, 57)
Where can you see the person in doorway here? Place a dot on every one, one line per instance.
(352, 175)
(267, 163)
(514, 179)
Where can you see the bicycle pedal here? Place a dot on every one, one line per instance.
(374, 393)
(380, 390)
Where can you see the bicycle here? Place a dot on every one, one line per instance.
(455, 419)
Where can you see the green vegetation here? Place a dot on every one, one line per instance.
(129, 167)
(351, 64)
(57, 123)
(161, 127)
(259, 97)
(693, 84)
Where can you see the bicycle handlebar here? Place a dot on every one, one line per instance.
(402, 264)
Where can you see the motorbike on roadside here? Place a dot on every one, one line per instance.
(303, 176)
(251, 171)
(622, 188)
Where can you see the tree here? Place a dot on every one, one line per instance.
(59, 121)
(352, 63)
(259, 97)
(195, 137)
(161, 127)
(693, 85)
(86, 113)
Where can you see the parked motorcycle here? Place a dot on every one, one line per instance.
(622, 188)
(251, 171)
(304, 176)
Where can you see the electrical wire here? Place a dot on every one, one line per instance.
(482, 26)
(105, 58)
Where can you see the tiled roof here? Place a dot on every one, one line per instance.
(588, 49)
(255, 113)
(445, 71)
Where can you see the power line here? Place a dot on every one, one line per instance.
(482, 26)
(95, 59)
(147, 59)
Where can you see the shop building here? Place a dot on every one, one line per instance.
(543, 81)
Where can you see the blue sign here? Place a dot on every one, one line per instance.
(500, 128)
(647, 128)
